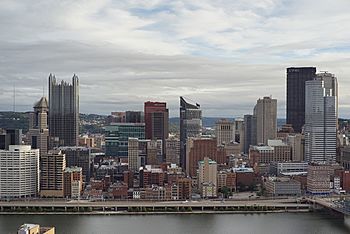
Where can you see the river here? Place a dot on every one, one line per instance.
(283, 223)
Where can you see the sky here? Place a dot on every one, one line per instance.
(222, 54)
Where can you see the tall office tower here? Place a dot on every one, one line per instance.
(172, 146)
(79, 157)
(207, 177)
(330, 83)
(117, 135)
(265, 112)
(134, 117)
(157, 122)
(239, 133)
(297, 142)
(320, 123)
(296, 78)
(133, 154)
(190, 126)
(38, 133)
(224, 131)
(52, 166)
(19, 172)
(64, 111)
(249, 132)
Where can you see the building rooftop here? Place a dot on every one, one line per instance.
(42, 103)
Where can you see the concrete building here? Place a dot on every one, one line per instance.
(239, 133)
(276, 151)
(319, 179)
(320, 123)
(19, 172)
(288, 168)
(52, 166)
(297, 143)
(64, 111)
(190, 126)
(224, 131)
(117, 135)
(73, 182)
(38, 133)
(282, 186)
(172, 147)
(296, 78)
(265, 112)
(345, 157)
(207, 177)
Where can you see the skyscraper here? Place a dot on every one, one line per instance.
(38, 133)
(296, 78)
(265, 112)
(249, 132)
(156, 122)
(64, 111)
(320, 123)
(190, 126)
(224, 131)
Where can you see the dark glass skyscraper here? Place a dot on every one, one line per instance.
(190, 126)
(64, 111)
(296, 78)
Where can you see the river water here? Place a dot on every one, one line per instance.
(285, 223)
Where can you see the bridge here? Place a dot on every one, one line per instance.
(125, 207)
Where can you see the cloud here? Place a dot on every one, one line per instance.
(223, 54)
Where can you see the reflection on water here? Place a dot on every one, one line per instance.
(195, 224)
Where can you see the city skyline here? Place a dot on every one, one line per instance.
(210, 52)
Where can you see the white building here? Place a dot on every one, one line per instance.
(19, 171)
(320, 123)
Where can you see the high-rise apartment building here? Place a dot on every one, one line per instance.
(64, 111)
(190, 126)
(19, 172)
(296, 78)
(38, 133)
(265, 112)
(320, 123)
(52, 166)
(224, 131)
(207, 177)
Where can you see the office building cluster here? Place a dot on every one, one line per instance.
(138, 155)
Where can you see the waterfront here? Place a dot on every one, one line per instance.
(286, 223)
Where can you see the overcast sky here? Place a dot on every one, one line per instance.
(223, 54)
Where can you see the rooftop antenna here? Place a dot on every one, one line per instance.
(14, 97)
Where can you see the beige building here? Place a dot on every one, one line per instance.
(319, 178)
(133, 154)
(224, 131)
(297, 142)
(52, 166)
(207, 177)
(35, 229)
(265, 112)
